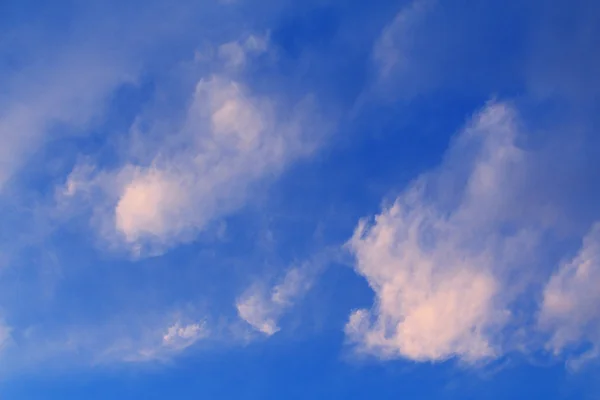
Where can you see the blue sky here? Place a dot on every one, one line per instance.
(306, 200)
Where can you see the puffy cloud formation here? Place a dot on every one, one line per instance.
(232, 140)
(460, 257)
(229, 141)
(439, 257)
(570, 309)
(262, 309)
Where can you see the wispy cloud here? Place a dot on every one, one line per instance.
(176, 338)
(151, 338)
(262, 308)
(393, 51)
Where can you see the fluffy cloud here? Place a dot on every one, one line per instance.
(230, 140)
(570, 309)
(438, 258)
(262, 309)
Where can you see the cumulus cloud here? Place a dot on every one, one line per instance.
(570, 311)
(229, 141)
(438, 258)
(262, 308)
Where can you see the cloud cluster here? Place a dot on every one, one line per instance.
(449, 261)
(174, 174)
(452, 258)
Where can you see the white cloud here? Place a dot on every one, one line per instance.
(230, 140)
(139, 343)
(438, 258)
(262, 309)
(233, 141)
(257, 309)
(147, 204)
(181, 336)
(175, 339)
(570, 309)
